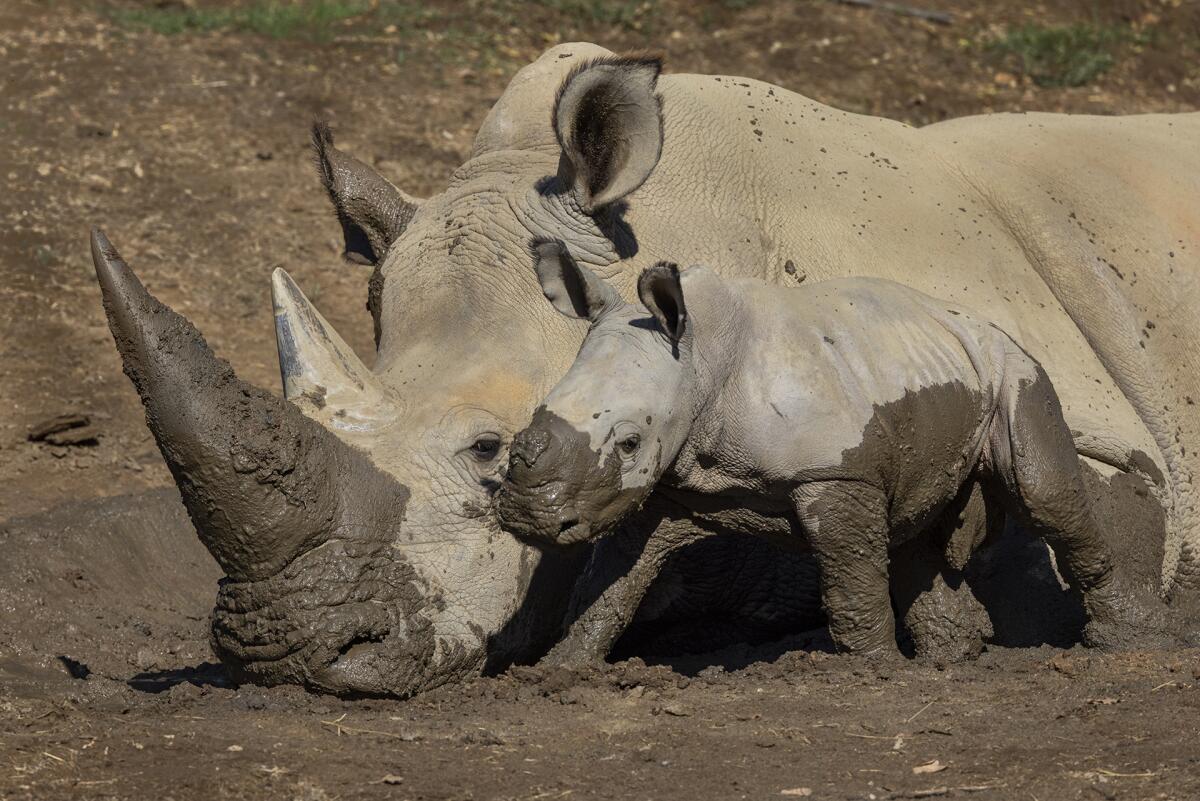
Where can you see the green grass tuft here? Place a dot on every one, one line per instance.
(271, 18)
(1071, 55)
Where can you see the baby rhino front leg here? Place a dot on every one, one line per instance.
(846, 524)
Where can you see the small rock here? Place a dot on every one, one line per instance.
(145, 659)
(96, 182)
(1063, 664)
(56, 424)
(797, 792)
(74, 436)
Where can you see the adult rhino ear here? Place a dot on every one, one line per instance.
(661, 293)
(574, 290)
(608, 120)
(373, 213)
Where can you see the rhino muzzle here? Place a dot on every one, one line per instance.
(558, 491)
(302, 523)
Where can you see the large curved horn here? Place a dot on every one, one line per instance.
(261, 482)
(320, 372)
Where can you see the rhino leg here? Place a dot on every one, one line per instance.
(946, 621)
(846, 523)
(622, 567)
(1040, 477)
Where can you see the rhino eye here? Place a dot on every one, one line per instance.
(486, 447)
(629, 445)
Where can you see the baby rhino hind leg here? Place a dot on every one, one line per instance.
(945, 620)
(1035, 462)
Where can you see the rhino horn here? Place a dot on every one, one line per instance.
(320, 372)
(258, 478)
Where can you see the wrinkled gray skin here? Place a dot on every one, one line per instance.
(1018, 214)
(858, 408)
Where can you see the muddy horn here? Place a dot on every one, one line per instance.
(261, 482)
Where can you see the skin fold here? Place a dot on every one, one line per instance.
(857, 410)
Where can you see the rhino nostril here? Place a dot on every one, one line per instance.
(567, 525)
(356, 648)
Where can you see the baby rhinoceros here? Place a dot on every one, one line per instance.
(857, 408)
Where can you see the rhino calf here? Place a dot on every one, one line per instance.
(855, 409)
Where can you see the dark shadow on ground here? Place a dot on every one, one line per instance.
(206, 674)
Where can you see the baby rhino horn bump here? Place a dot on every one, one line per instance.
(261, 482)
(320, 372)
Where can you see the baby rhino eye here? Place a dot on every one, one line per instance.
(629, 445)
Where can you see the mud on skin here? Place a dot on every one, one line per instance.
(301, 523)
(546, 506)
(977, 431)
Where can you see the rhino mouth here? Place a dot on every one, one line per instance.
(347, 618)
(573, 531)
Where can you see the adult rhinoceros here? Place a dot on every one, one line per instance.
(358, 537)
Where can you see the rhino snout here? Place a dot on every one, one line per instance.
(527, 446)
(558, 489)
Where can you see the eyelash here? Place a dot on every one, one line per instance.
(487, 453)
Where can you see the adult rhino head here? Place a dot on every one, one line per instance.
(353, 519)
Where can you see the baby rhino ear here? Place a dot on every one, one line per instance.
(662, 294)
(574, 290)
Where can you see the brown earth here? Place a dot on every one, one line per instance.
(191, 151)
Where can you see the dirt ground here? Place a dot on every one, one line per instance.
(191, 151)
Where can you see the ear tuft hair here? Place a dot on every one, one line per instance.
(322, 138)
(661, 292)
(608, 120)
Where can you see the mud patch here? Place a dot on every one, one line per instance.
(102, 591)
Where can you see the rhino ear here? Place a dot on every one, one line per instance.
(373, 213)
(661, 293)
(608, 120)
(575, 291)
